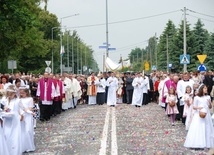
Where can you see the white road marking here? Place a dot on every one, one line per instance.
(105, 134)
(114, 149)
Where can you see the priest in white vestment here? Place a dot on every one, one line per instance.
(101, 85)
(112, 83)
(75, 91)
(138, 90)
(68, 97)
(181, 90)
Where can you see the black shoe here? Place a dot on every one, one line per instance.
(135, 105)
(47, 119)
(54, 115)
(75, 107)
(41, 119)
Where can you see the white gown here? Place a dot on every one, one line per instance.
(3, 145)
(68, 96)
(138, 91)
(201, 130)
(11, 124)
(27, 126)
(112, 88)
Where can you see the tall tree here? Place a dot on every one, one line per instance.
(209, 50)
(136, 59)
(19, 34)
(201, 36)
(178, 48)
(200, 39)
(168, 34)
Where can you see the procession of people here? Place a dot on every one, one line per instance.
(24, 99)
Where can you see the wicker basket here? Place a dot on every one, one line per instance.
(202, 114)
(171, 104)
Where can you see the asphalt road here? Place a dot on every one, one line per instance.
(103, 130)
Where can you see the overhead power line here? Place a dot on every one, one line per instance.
(201, 13)
(201, 18)
(125, 47)
(123, 21)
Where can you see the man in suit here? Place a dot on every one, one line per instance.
(129, 88)
(124, 76)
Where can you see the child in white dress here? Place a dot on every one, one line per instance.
(27, 123)
(35, 110)
(201, 132)
(12, 107)
(3, 145)
(172, 109)
(188, 100)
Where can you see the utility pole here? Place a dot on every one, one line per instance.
(72, 41)
(156, 53)
(137, 58)
(68, 50)
(167, 55)
(121, 59)
(150, 53)
(81, 58)
(106, 28)
(185, 65)
(77, 58)
(142, 58)
(85, 55)
(103, 62)
(147, 52)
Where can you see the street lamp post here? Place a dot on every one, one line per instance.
(184, 40)
(72, 41)
(68, 49)
(77, 58)
(61, 38)
(52, 59)
(156, 52)
(107, 28)
(52, 66)
(81, 50)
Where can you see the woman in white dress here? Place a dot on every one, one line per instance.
(27, 125)
(201, 131)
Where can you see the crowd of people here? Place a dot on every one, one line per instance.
(24, 99)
